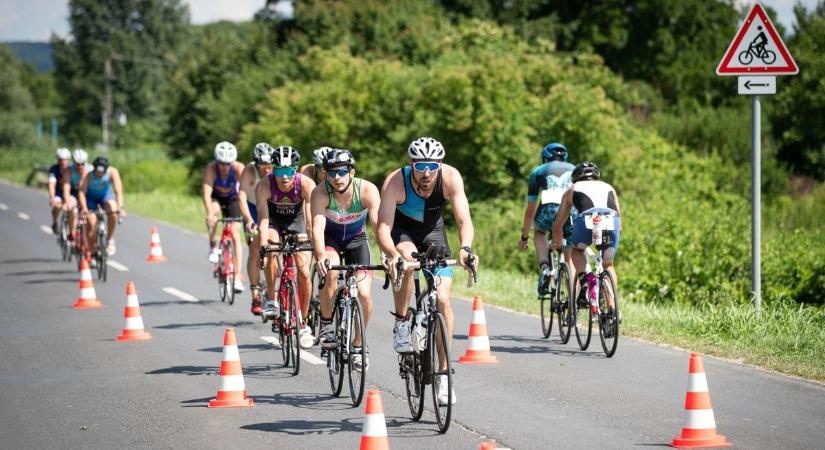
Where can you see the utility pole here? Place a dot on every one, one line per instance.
(107, 101)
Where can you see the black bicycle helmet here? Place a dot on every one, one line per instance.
(339, 157)
(101, 161)
(585, 171)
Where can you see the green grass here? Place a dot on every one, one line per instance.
(786, 336)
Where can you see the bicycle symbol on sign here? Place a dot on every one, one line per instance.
(757, 49)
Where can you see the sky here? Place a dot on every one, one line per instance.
(35, 20)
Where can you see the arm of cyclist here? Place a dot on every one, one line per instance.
(391, 194)
(318, 203)
(247, 181)
(529, 214)
(208, 181)
(307, 186)
(561, 218)
(262, 203)
(81, 194)
(66, 187)
(618, 209)
(117, 185)
(454, 191)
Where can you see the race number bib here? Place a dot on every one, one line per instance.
(607, 221)
(551, 196)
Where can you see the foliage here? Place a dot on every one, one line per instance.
(16, 103)
(797, 119)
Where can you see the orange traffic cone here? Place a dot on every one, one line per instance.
(374, 436)
(699, 428)
(155, 251)
(231, 389)
(133, 329)
(488, 445)
(88, 297)
(478, 346)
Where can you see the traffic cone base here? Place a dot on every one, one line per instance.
(155, 250)
(374, 436)
(478, 344)
(88, 297)
(231, 388)
(699, 430)
(133, 329)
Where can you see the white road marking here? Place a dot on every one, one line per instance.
(116, 265)
(305, 355)
(46, 229)
(180, 294)
(23, 216)
(4, 206)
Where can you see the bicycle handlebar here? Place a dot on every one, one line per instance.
(354, 268)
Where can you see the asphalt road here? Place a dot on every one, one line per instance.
(65, 382)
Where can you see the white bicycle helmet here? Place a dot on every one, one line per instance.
(80, 156)
(319, 154)
(425, 148)
(263, 153)
(63, 153)
(225, 152)
(286, 156)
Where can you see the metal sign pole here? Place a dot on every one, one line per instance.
(756, 232)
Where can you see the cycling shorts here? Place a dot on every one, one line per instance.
(92, 201)
(422, 240)
(546, 217)
(583, 237)
(354, 251)
(229, 207)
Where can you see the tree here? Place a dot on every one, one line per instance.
(800, 105)
(137, 31)
(16, 104)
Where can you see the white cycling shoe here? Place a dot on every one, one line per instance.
(305, 338)
(442, 391)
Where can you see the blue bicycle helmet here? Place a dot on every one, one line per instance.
(554, 150)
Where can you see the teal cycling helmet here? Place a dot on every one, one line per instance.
(554, 151)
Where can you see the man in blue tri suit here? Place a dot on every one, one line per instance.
(103, 187)
(410, 219)
(545, 187)
(56, 200)
(70, 178)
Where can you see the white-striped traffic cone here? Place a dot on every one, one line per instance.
(231, 388)
(374, 436)
(478, 344)
(699, 428)
(88, 297)
(133, 329)
(155, 250)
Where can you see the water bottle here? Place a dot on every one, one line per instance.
(597, 230)
(419, 334)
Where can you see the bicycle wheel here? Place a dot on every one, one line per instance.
(745, 57)
(562, 300)
(294, 321)
(335, 362)
(102, 244)
(63, 238)
(357, 377)
(411, 368)
(314, 319)
(768, 57)
(222, 284)
(229, 269)
(437, 338)
(583, 319)
(546, 299)
(608, 317)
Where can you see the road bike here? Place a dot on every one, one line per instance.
(224, 269)
(314, 315)
(746, 56)
(597, 290)
(287, 323)
(422, 366)
(348, 323)
(101, 255)
(82, 249)
(554, 289)
(63, 241)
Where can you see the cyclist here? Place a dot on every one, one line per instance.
(252, 173)
(410, 219)
(549, 181)
(589, 195)
(220, 193)
(283, 199)
(56, 200)
(340, 208)
(102, 186)
(315, 170)
(71, 177)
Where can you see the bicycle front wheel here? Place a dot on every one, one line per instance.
(414, 383)
(335, 361)
(437, 340)
(102, 244)
(229, 269)
(222, 285)
(357, 375)
(314, 319)
(562, 300)
(608, 316)
(294, 328)
(583, 319)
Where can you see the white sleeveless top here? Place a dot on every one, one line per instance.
(250, 190)
(593, 194)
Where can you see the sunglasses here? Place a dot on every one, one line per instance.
(341, 172)
(225, 164)
(288, 172)
(424, 166)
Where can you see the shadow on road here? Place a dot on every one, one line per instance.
(176, 302)
(223, 323)
(307, 427)
(258, 347)
(304, 400)
(41, 272)
(52, 280)
(532, 345)
(249, 371)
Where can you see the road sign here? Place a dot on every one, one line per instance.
(757, 49)
(764, 85)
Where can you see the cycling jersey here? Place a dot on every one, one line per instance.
(343, 225)
(594, 197)
(550, 180)
(225, 190)
(99, 190)
(75, 177)
(286, 209)
(250, 193)
(56, 176)
(593, 194)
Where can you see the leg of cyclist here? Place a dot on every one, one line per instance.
(304, 262)
(326, 296)
(70, 208)
(212, 229)
(446, 308)
(253, 270)
(237, 242)
(57, 205)
(111, 223)
(540, 244)
(401, 298)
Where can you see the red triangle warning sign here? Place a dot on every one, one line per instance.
(757, 49)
